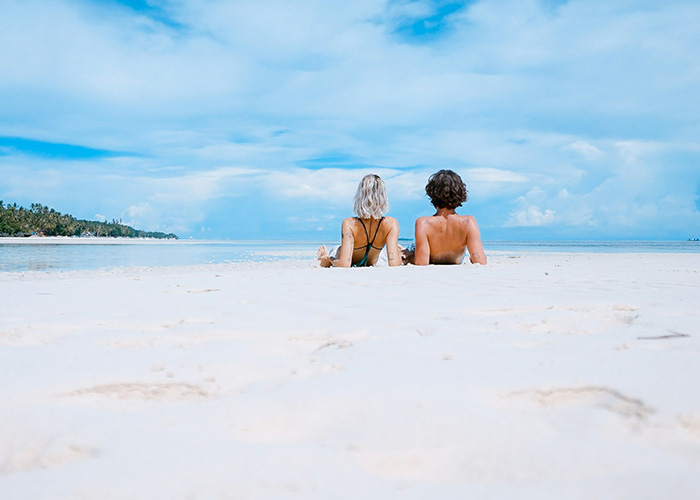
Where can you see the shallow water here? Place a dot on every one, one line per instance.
(67, 254)
(596, 246)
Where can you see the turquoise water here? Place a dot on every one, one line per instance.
(596, 246)
(77, 255)
(67, 255)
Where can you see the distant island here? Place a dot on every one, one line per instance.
(44, 221)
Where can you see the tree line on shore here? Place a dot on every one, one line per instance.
(45, 221)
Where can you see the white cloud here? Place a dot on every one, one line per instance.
(532, 216)
(593, 102)
(136, 215)
(328, 184)
(630, 151)
(585, 149)
(496, 175)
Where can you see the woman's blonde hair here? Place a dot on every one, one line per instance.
(370, 200)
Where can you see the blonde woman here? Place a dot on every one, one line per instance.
(364, 236)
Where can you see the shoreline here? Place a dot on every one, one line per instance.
(59, 254)
(294, 262)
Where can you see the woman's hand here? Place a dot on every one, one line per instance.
(323, 256)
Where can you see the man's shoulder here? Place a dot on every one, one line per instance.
(431, 219)
(423, 224)
(470, 220)
(464, 219)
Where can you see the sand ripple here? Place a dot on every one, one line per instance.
(600, 397)
(144, 391)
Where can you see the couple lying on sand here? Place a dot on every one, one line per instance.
(440, 239)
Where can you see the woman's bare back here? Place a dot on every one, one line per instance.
(358, 241)
(369, 237)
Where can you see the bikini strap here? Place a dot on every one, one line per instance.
(365, 228)
(375, 235)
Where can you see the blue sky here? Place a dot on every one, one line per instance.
(257, 119)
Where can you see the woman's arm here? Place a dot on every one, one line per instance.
(347, 243)
(392, 242)
(422, 255)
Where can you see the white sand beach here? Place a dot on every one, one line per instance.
(538, 376)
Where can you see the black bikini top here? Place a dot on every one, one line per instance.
(370, 244)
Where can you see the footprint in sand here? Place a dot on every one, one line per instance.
(563, 320)
(146, 392)
(180, 340)
(691, 423)
(43, 453)
(580, 321)
(336, 343)
(597, 397)
(34, 335)
(342, 341)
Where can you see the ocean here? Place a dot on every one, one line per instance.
(69, 254)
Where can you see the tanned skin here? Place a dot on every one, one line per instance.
(354, 241)
(444, 237)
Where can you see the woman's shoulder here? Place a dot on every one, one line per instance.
(390, 222)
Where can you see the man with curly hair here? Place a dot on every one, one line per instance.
(444, 238)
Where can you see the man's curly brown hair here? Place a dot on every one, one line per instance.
(446, 190)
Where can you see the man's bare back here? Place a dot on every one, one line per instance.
(445, 237)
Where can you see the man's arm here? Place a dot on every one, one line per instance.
(422, 255)
(476, 249)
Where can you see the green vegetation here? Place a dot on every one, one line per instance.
(45, 221)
